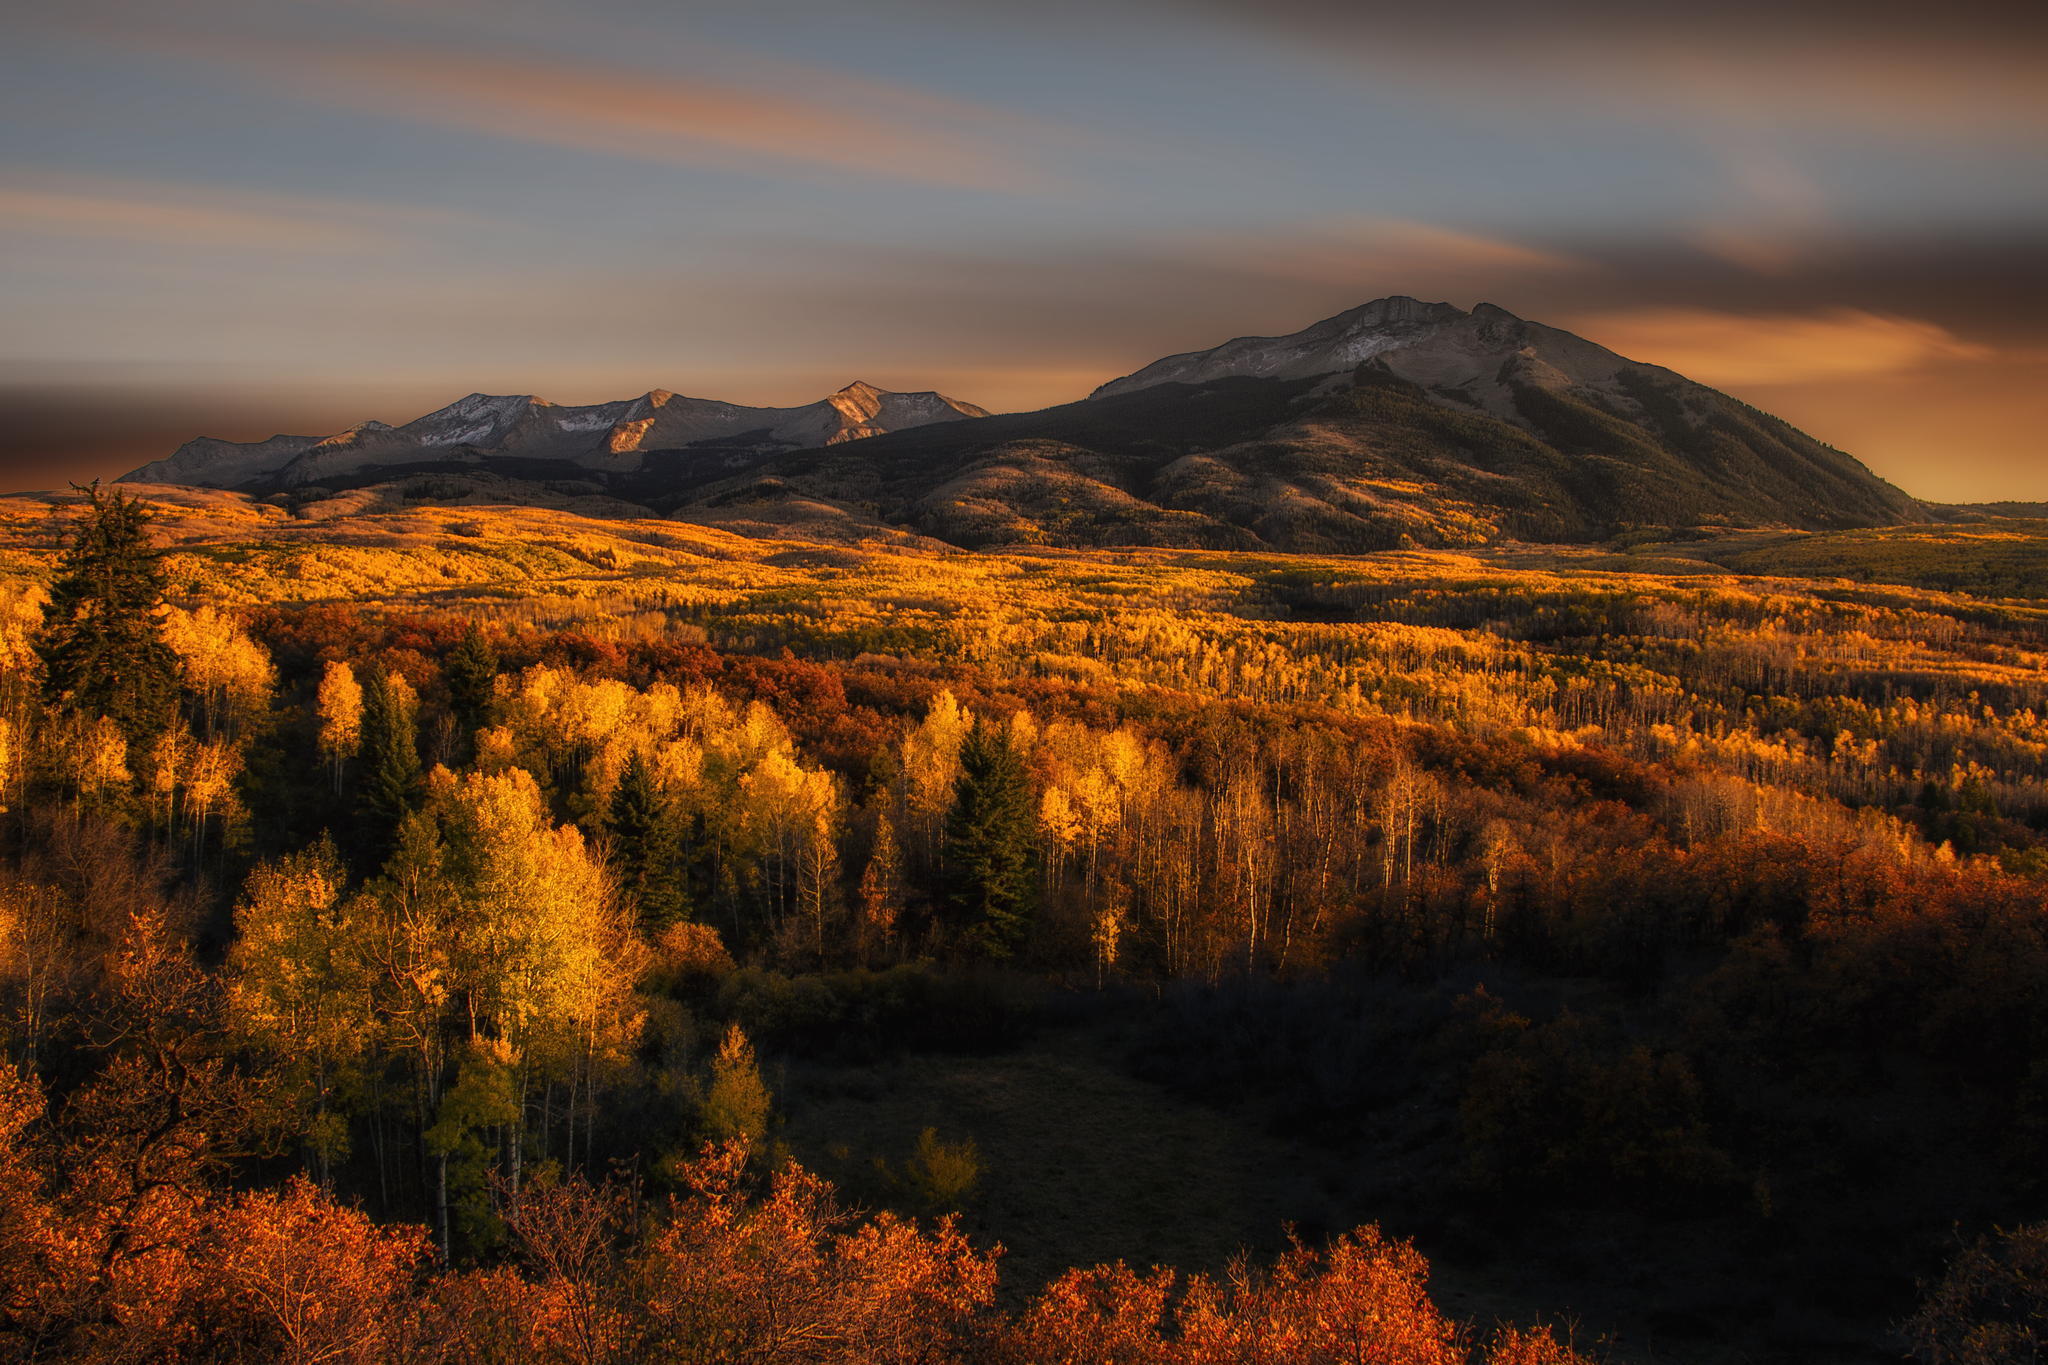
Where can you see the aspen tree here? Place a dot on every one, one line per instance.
(299, 987)
(340, 707)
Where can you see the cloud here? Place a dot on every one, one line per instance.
(1737, 349)
(202, 216)
(781, 116)
(1909, 68)
(1335, 250)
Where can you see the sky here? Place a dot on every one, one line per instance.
(242, 217)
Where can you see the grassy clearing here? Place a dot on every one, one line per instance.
(1081, 1163)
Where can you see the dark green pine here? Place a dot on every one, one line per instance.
(648, 845)
(388, 778)
(471, 671)
(101, 644)
(991, 857)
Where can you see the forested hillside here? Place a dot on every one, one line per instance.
(422, 934)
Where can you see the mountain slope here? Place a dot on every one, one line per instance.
(1395, 423)
(603, 438)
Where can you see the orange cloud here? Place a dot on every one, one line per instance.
(805, 119)
(1727, 349)
(194, 216)
(1912, 70)
(1346, 250)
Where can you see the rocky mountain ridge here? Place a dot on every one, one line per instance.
(1396, 423)
(603, 438)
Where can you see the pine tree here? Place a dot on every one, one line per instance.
(648, 847)
(101, 644)
(472, 672)
(990, 860)
(389, 779)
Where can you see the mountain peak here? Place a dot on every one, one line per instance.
(1337, 343)
(1436, 344)
(610, 437)
(1398, 422)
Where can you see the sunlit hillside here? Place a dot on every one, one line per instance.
(1630, 928)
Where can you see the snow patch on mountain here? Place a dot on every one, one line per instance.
(1474, 359)
(606, 437)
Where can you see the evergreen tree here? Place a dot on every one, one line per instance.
(990, 855)
(389, 778)
(101, 644)
(471, 670)
(648, 847)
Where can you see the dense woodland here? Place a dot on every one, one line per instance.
(391, 971)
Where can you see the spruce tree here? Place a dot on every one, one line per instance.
(648, 846)
(101, 643)
(388, 776)
(990, 855)
(471, 671)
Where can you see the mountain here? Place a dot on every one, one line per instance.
(1396, 423)
(602, 439)
(1339, 343)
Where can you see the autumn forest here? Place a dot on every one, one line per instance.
(465, 934)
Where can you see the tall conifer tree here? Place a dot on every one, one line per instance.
(990, 859)
(101, 645)
(389, 775)
(471, 670)
(648, 844)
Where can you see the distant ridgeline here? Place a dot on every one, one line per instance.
(1398, 423)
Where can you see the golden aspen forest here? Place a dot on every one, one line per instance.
(492, 934)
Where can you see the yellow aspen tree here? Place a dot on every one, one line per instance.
(1106, 932)
(340, 704)
(1059, 824)
(931, 770)
(1245, 860)
(209, 787)
(299, 988)
(817, 886)
(496, 749)
(542, 956)
(163, 769)
(737, 1103)
(881, 890)
(36, 937)
(95, 756)
(231, 673)
(786, 812)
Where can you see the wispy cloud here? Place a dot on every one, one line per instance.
(781, 118)
(202, 216)
(1909, 69)
(1337, 251)
(1748, 349)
